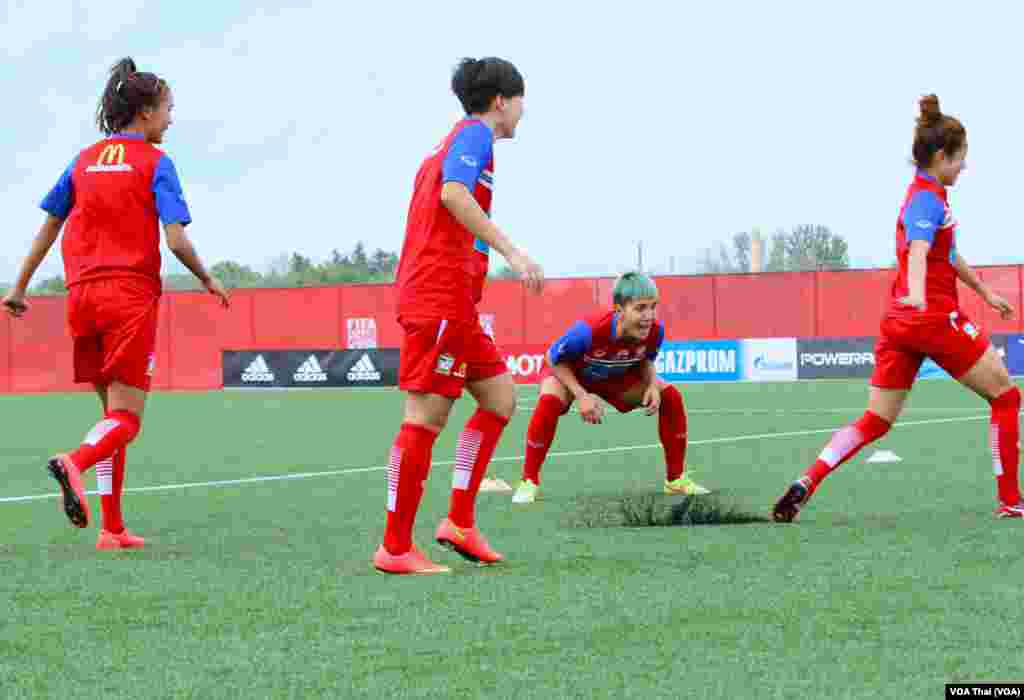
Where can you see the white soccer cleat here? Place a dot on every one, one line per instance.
(525, 493)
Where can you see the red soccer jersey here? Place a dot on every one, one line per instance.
(595, 353)
(442, 267)
(925, 215)
(113, 196)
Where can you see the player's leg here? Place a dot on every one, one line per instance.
(110, 485)
(123, 403)
(425, 373)
(884, 407)
(128, 340)
(553, 402)
(495, 394)
(895, 369)
(989, 378)
(88, 368)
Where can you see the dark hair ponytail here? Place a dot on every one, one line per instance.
(936, 132)
(476, 82)
(127, 93)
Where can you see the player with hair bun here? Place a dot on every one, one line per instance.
(110, 202)
(925, 320)
(610, 355)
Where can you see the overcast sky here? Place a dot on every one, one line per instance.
(299, 126)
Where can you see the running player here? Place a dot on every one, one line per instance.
(440, 282)
(112, 199)
(924, 320)
(610, 355)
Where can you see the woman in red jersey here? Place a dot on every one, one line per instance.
(924, 320)
(110, 202)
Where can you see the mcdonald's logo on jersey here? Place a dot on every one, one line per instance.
(111, 160)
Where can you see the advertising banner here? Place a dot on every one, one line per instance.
(769, 359)
(310, 368)
(699, 361)
(524, 362)
(835, 358)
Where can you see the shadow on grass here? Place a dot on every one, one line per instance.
(656, 510)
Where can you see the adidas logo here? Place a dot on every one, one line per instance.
(258, 371)
(363, 371)
(310, 371)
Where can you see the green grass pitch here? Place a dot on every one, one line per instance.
(895, 580)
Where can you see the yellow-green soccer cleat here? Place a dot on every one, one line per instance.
(526, 492)
(685, 486)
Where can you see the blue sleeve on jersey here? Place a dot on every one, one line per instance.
(923, 216)
(170, 200)
(61, 198)
(469, 153)
(652, 355)
(576, 341)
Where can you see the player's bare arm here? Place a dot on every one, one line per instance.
(971, 279)
(179, 244)
(590, 408)
(652, 394)
(14, 301)
(457, 198)
(917, 266)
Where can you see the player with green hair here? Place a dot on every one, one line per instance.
(610, 355)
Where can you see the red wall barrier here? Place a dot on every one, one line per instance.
(285, 319)
(35, 351)
(162, 370)
(5, 352)
(562, 303)
(375, 301)
(201, 328)
(851, 304)
(40, 358)
(507, 301)
(765, 306)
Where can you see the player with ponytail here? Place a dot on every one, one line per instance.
(110, 203)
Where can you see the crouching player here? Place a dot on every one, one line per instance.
(610, 355)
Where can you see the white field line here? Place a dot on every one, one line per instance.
(524, 406)
(572, 453)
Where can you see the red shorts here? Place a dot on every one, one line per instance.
(440, 357)
(951, 340)
(614, 391)
(113, 323)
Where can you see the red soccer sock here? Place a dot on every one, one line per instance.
(1005, 439)
(110, 492)
(846, 443)
(476, 446)
(672, 432)
(540, 433)
(112, 433)
(407, 469)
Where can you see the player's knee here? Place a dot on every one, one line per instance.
(503, 405)
(672, 399)
(1008, 400)
(130, 421)
(872, 426)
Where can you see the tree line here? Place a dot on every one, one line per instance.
(802, 248)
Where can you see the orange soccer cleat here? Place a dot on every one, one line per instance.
(1014, 511)
(76, 505)
(466, 541)
(412, 562)
(121, 540)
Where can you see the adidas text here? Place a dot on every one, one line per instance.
(363, 371)
(310, 371)
(257, 371)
